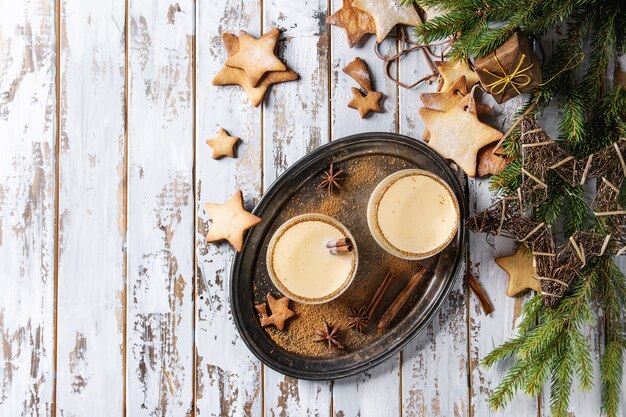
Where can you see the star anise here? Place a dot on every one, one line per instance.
(357, 319)
(331, 179)
(329, 335)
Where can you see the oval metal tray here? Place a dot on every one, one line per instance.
(388, 153)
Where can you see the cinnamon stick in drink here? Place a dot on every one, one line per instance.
(402, 298)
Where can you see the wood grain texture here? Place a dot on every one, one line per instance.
(27, 207)
(433, 383)
(377, 391)
(92, 207)
(161, 209)
(296, 121)
(488, 332)
(228, 376)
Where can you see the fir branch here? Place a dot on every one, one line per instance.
(511, 383)
(572, 126)
(576, 208)
(509, 179)
(541, 338)
(538, 375)
(611, 370)
(504, 351)
(584, 368)
(550, 209)
(531, 313)
(562, 375)
(602, 50)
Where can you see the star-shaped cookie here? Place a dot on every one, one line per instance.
(444, 101)
(365, 103)
(256, 56)
(387, 14)
(447, 98)
(356, 22)
(521, 271)
(236, 76)
(457, 134)
(223, 144)
(230, 221)
(280, 312)
(491, 160)
(451, 71)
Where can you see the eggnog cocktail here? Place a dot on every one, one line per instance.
(312, 258)
(413, 214)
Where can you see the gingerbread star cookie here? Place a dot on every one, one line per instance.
(236, 76)
(363, 102)
(230, 221)
(256, 56)
(450, 72)
(491, 160)
(370, 102)
(521, 270)
(456, 94)
(223, 144)
(447, 98)
(387, 14)
(457, 134)
(356, 23)
(280, 312)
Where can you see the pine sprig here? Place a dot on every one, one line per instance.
(509, 179)
(549, 345)
(576, 209)
(611, 370)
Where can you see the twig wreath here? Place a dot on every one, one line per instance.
(557, 267)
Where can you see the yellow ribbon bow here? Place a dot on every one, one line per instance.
(517, 78)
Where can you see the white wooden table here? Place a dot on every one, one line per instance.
(110, 301)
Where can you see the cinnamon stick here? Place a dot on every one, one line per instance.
(379, 294)
(402, 298)
(480, 293)
(341, 249)
(339, 242)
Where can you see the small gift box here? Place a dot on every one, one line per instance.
(510, 70)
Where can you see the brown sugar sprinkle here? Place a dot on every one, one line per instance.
(349, 207)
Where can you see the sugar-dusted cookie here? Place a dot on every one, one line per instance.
(223, 144)
(451, 71)
(363, 102)
(356, 22)
(457, 134)
(387, 14)
(236, 76)
(230, 221)
(256, 56)
(359, 72)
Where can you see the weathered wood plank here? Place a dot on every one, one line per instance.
(487, 332)
(296, 121)
(375, 392)
(160, 209)
(435, 364)
(27, 206)
(228, 376)
(92, 207)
